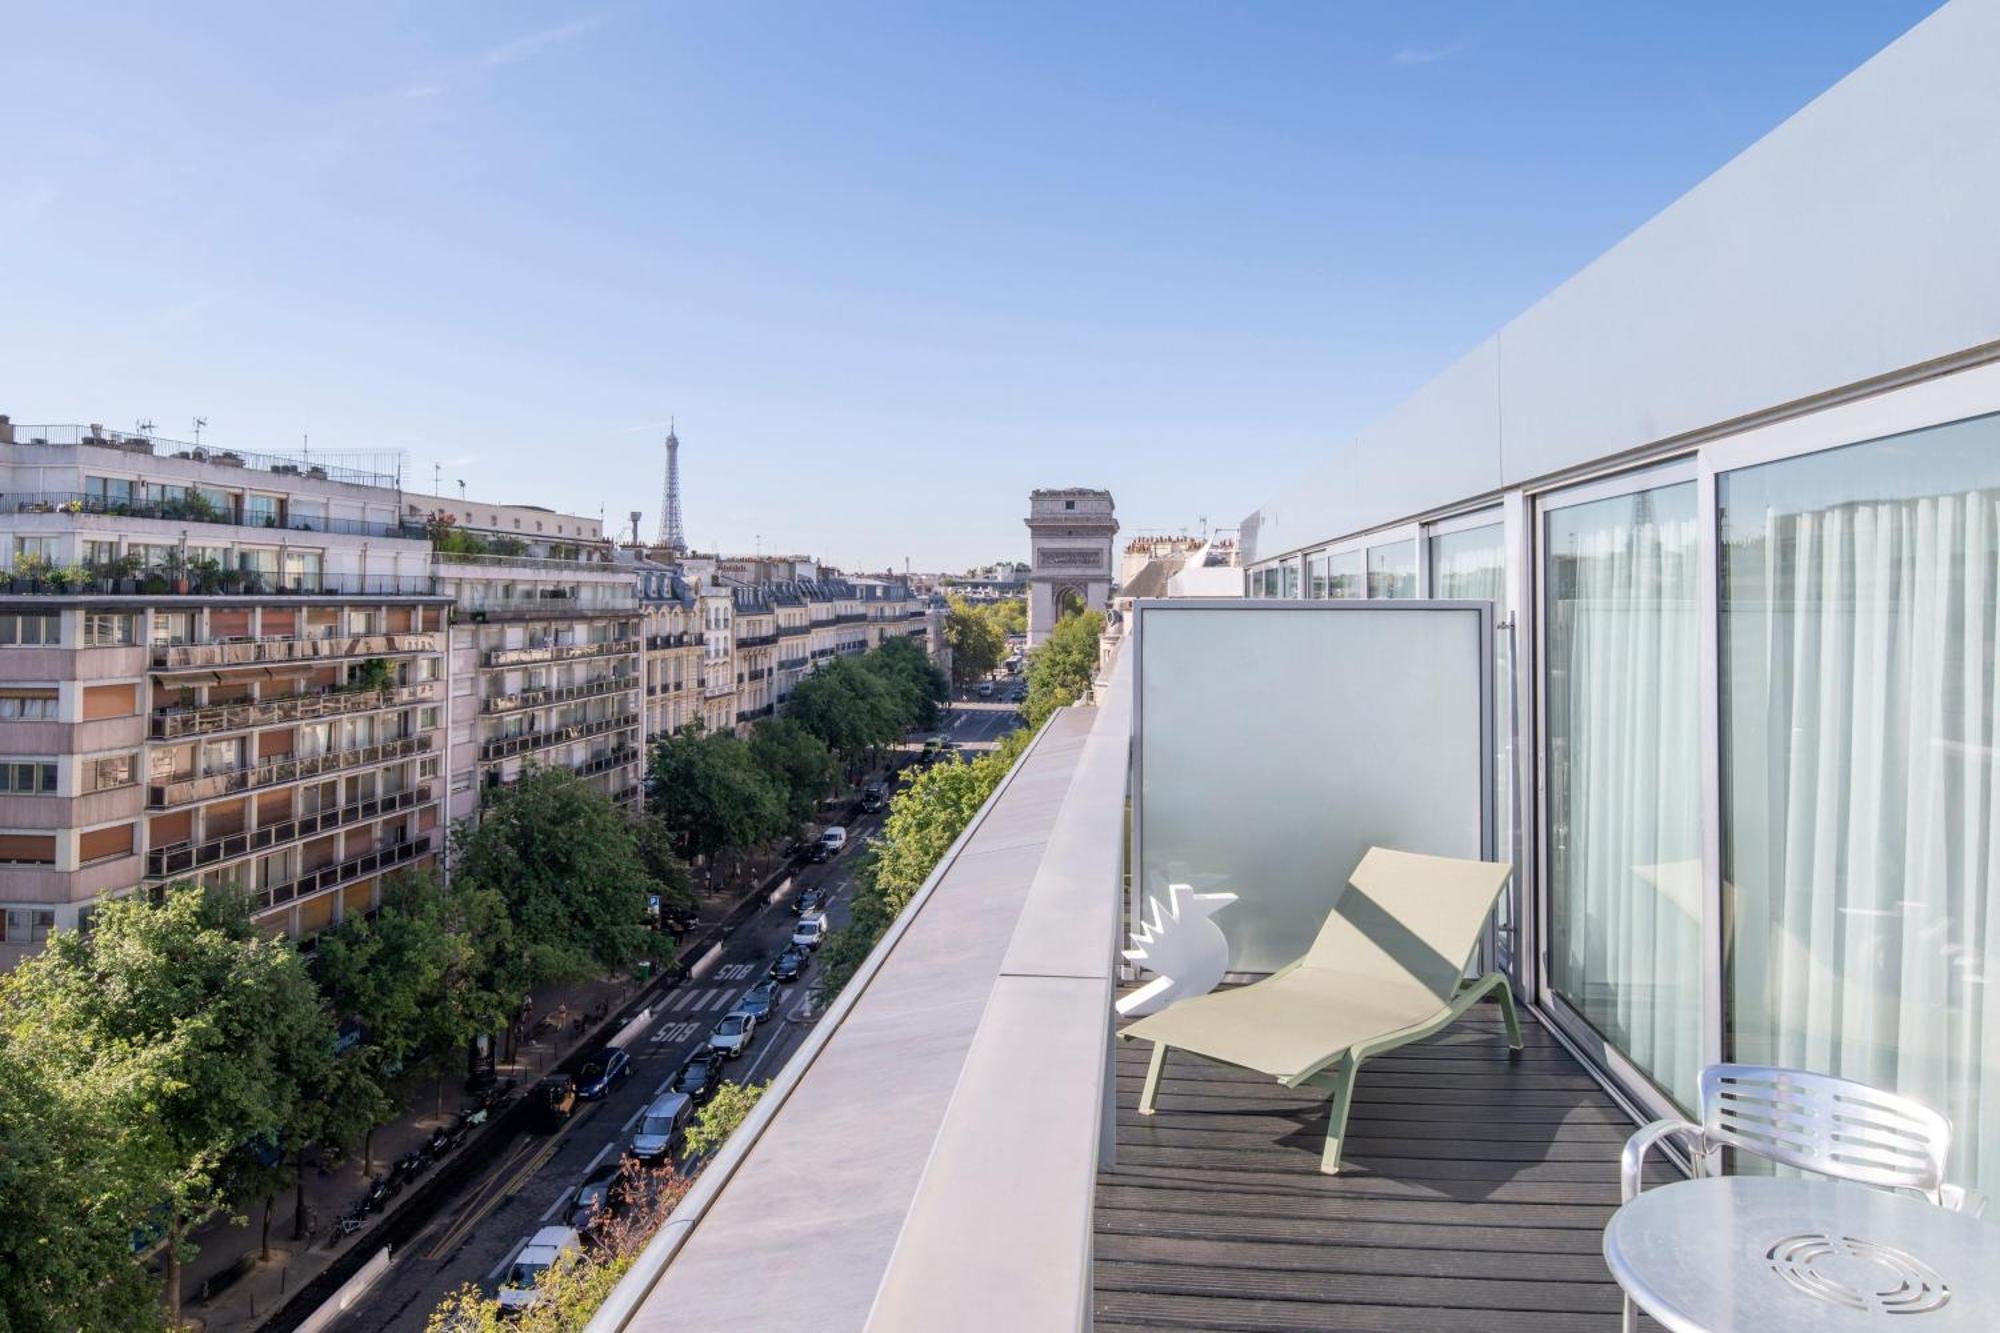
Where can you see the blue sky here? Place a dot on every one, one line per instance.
(889, 265)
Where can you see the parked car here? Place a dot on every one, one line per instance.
(555, 1099)
(598, 1198)
(518, 1290)
(732, 1035)
(872, 796)
(660, 1129)
(607, 1067)
(812, 900)
(700, 1076)
(790, 963)
(758, 1001)
(830, 843)
(810, 931)
(986, 689)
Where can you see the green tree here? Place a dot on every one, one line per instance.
(1061, 668)
(728, 1108)
(976, 641)
(566, 862)
(914, 679)
(796, 763)
(1009, 617)
(197, 1033)
(710, 795)
(66, 1213)
(850, 708)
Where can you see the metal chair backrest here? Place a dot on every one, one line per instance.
(1830, 1126)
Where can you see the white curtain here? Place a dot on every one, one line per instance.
(1625, 780)
(1864, 810)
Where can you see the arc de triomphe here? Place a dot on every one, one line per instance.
(1070, 534)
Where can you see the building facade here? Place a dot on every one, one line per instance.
(1070, 535)
(213, 665)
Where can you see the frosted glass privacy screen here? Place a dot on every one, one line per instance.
(1276, 743)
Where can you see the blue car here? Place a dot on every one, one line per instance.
(601, 1071)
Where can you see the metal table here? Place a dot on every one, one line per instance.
(1751, 1254)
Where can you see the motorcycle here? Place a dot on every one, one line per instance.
(380, 1191)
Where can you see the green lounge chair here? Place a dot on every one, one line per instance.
(1387, 969)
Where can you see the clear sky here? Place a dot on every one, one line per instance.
(889, 265)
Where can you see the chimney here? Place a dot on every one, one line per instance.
(6, 429)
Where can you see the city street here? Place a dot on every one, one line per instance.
(475, 1237)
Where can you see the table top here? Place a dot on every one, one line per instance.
(1729, 1253)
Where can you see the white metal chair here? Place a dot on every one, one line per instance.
(1815, 1122)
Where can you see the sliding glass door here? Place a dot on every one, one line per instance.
(1621, 755)
(1859, 629)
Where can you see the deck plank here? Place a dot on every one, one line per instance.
(1474, 1195)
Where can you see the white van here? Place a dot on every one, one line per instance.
(830, 843)
(810, 931)
(518, 1291)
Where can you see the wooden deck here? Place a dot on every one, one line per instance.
(1473, 1196)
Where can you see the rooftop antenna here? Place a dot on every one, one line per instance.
(437, 478)
(461, 490)
(635, 527)
(146, 427)
(200, 425)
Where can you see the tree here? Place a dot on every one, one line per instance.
(566, 862)
(1010, 617)
(796, 763)
(1061, 668)
(710, 795)
(728, 1108)
(66, 1214)
(915, 680)
(976, 641)
(851, 709)
(197, 1033)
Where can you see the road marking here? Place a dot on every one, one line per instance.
(453, 1229)
(601, 1154)
(735, 972)
(673, 1032)
(486, 1202)
(562, 1198)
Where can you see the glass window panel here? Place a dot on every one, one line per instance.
(1347, 575)
(1471, 565)
(1316, 577)
(1392, 569)
(1623, 837)
(1860, 694)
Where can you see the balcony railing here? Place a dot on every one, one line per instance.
(156, 446)
(604, 763)
(792, 663)
(596, 559)
(158, 583)
(755, 640)
(850, 618)
(717, 691)
(793, 631)
(182, 857)
(272, 772)
(327, 877)
(559, 652)
(657, 642)
(542, 698)
(542, 608)
(752, 714)
(192, 511)
(257, 652)
(541, 740)
(212, 719)
(824, 652)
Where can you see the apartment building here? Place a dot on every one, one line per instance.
(756, 641)
(889, 612)
(835, 621)
(545, 647)
(794, 652)
(214, 665)
(671, 617)
(718, 656)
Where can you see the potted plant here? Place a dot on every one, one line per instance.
(205, 574)
(176, 567)
(154, 582)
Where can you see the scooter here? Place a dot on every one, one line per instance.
(380, 1190)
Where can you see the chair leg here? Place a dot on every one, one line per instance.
(1629, 1323)
(1507, 1014)
(1152, 1088)
(1336, 1115)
